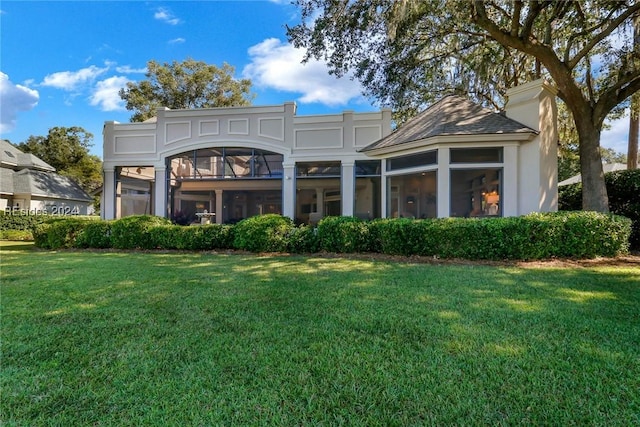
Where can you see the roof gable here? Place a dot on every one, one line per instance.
(452, 115)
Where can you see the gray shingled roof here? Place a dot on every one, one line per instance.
(47, 184)
(452, 115)
(10, 155)
(6, 181)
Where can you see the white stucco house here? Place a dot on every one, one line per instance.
(225, 164)
(28, 185)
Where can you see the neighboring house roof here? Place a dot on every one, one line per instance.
(608, 167)
(452, 115)
(10, 156)
(47, 184)
(6, 181)
(23, 173)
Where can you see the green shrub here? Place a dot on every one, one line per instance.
(302, 239)
(96, 234)
(343, 234)
(206, 237)
(623, 188)
(16, 234)
(59, 233)
(20, 221)
(263, 233)
(132, 232)
(534, 236)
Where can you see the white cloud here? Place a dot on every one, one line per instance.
(277, 65)
(617, 136)
(14, 98)
(177, 41)
(70, 80)
(126, 69)
(165, 15)
(105, 94)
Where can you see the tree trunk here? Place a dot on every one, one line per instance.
(634, 121)
(594, 190)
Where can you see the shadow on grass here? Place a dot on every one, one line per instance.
(13, 245)
(252, 340)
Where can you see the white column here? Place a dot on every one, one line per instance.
(444, 178)
(384, 189)
(108, 209)
(347, 187)
(289, 191)
(160, 192)
(509, 196)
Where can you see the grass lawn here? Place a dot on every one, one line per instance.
(182, 339)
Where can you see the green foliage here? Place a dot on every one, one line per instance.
(344, 234)
(132, 232)
(16, 235)
(623, 188)
(67, 150)
(59, 233)
(263, 233)
(19, 221)
(206, 237)
(534, 236)
(303, 239)
(187, 84)
(95, 234)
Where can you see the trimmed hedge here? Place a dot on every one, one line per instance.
(343, 234)
(132, 232)
(623, 188)
(534, 236)
(57, 233)
(263, 233)
(20, 225)
(206, 237)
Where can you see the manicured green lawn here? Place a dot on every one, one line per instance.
(182, 339)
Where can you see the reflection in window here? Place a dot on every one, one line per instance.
(228, 163)
(412, 196)
(367, 194)
(412, 160)
(476, 155)
(476, 192)
(134, 190)
(317, 191)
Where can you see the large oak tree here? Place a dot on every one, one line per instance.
(407, 53)
(187, 84)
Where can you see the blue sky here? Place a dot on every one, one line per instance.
(62, 63)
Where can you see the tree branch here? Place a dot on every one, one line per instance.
(515, 21)
(602, 35)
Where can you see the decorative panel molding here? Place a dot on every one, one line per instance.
(365, 135)
(209, 127)
(310, 139)
(135, 144)
(238, 127)
(271, 128)
(177, 131)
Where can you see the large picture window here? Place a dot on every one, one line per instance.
(224, 185)
(134, 190)
(413, 195)
(318, 191)
(476, 192)
(367, 191)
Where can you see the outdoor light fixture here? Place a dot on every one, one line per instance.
(411, 200)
